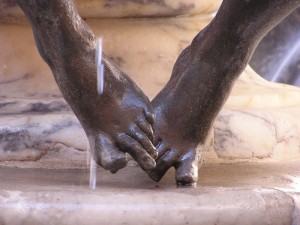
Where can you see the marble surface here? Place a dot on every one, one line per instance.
(244, 194)
(258, 123)
(9, 11)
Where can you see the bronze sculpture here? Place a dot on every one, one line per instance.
(184, 110)
(202, 79)
(68, 46)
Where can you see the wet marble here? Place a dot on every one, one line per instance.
(226, 194)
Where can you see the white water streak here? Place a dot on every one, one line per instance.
(100, 67)
(286, 60)
(93, 174)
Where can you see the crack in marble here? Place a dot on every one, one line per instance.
(24, 77)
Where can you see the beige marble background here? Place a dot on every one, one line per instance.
(259, 122)
(9, 11)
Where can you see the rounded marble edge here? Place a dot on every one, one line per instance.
(231, 206)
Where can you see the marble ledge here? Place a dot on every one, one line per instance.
(251, 91)
(226, 194)
(9, 11)
(223, 207)
(254, 135)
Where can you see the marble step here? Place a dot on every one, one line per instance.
(244, 194)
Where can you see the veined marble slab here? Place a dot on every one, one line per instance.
(259, 122)
(9, 11)
(243, 194)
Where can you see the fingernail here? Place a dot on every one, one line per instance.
(154, 176)
(155, 154)
(149, 163)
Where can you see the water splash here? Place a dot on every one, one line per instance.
(91, 164)
(100, 67)
(93, 174)
(286, 60)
